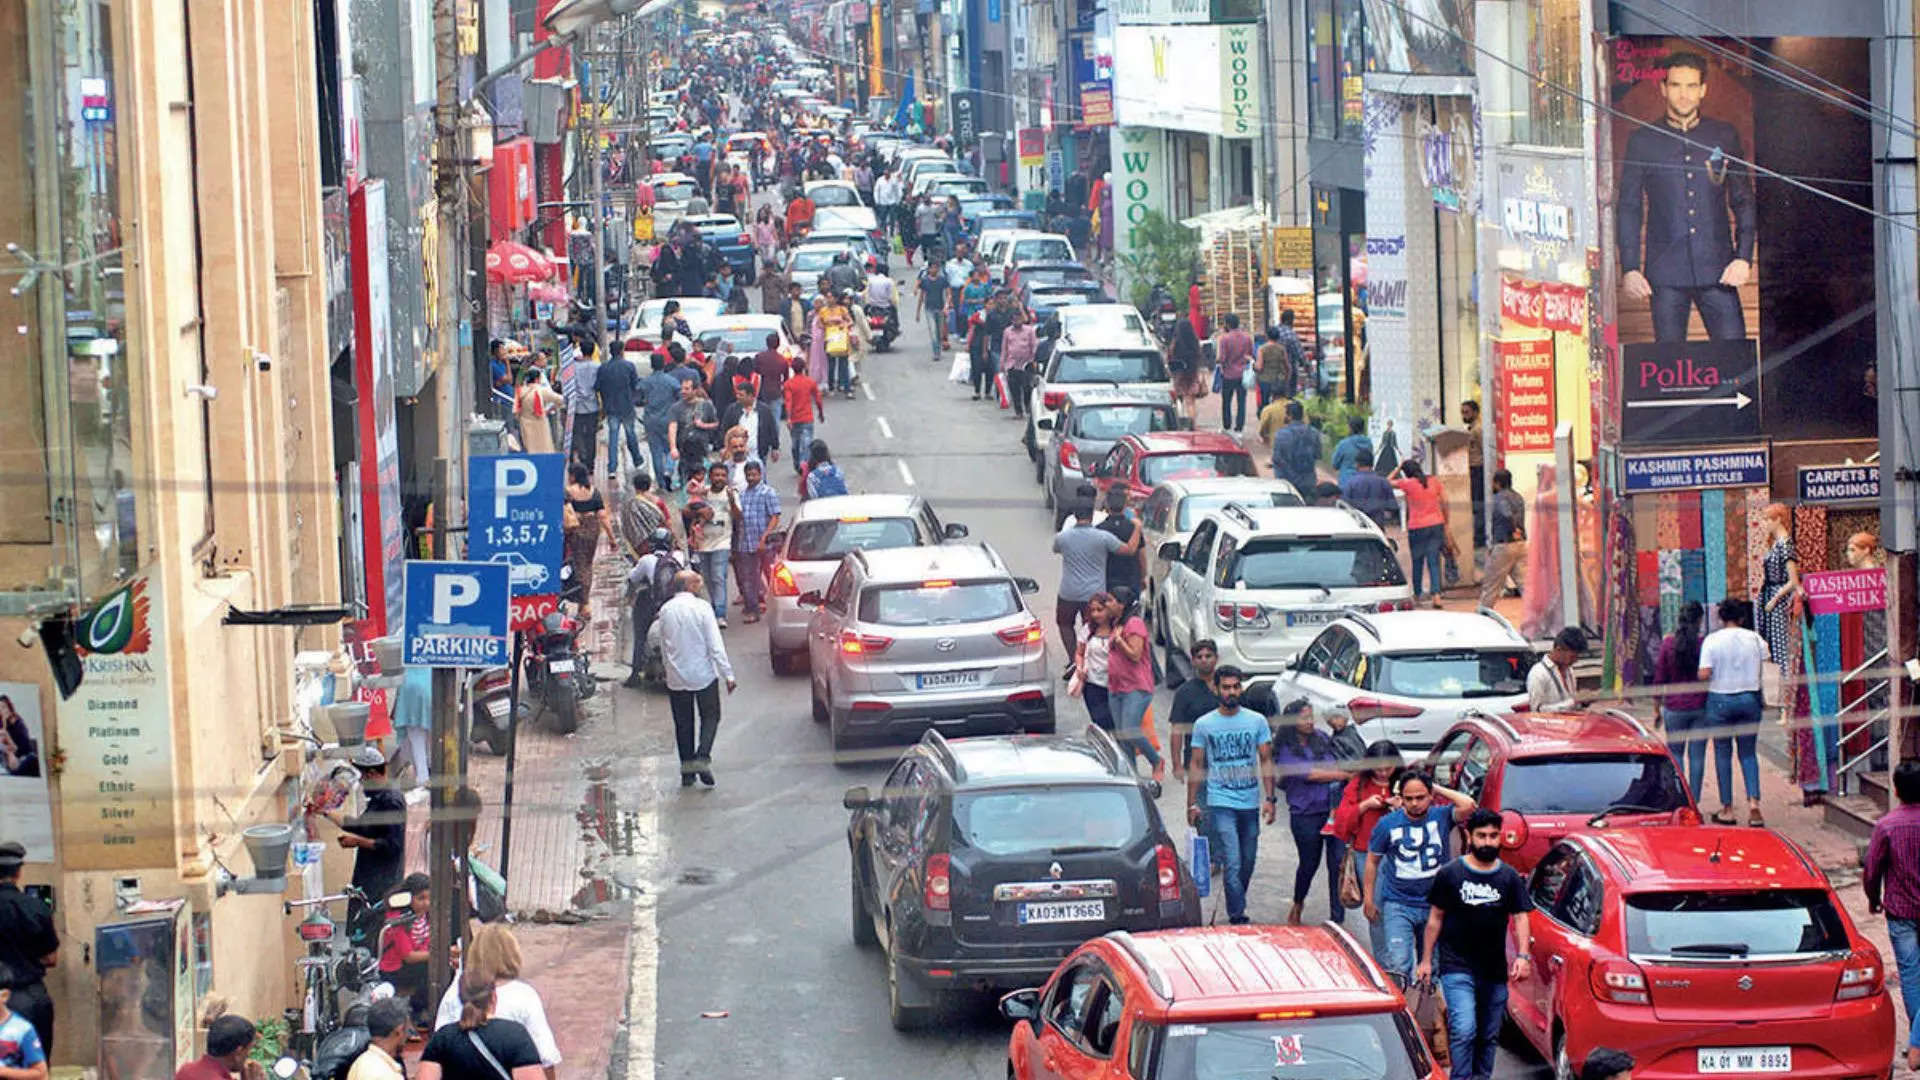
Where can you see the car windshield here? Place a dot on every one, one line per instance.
(1347, 562)
(1456, 674)
(1059, 298)
(834, 195)
(938, 603)
(1110, 422)
(1589, 783)
(716, 226)
(1195, 507)
(831, 538)
(1056, 275)
(816, 260)
(1157, 467)
(1131, 366)
(1049, 249)
(1367, 1046)
(958, 185)
(1107, 320)
(1706, 924)
(745, 340)
(1043, 819)
(675, 191)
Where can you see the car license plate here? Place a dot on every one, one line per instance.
(1065, 911)
(948, 680)
(1311, 618)
(560, 666)
(1746, 1059)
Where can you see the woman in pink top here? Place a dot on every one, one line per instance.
(1130, 683)
(1017, 344)
(1426, 523)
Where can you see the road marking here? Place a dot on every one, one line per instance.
(886, 429)
(867, 389)
(906, 474)
(643, 967)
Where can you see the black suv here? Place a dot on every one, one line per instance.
(984, 861)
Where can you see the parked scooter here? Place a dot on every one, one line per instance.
(338, 971)
(555, 677)
(490, 697)
(1166, 315)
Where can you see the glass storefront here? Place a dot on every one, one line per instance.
(1340, 293)
(1336, 47)
(72, 515)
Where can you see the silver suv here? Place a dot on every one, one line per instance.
(908, 639)
(1078, 437)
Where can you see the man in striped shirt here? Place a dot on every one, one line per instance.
(1892, 882)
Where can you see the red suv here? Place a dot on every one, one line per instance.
(1289, 1002)
(1553, 774)
(1700, 951)
(1142, 461)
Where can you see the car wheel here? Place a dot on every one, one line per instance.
(1033, 448)
(904, 1017)
(863, 932)
(1040, 475)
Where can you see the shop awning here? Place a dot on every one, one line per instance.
(510, 263)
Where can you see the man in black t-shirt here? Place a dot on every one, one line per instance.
(1124, 569)
(1475, 898)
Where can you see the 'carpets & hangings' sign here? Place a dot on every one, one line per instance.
(1543, 305)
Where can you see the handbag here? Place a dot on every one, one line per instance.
(839, 342)
(1217, 383)
(569, 517)
(1351, 894)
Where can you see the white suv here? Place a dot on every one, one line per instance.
(1408, 676)
(1262, 582)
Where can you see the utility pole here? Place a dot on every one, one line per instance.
(445, 753)
(450, 254)
(596, 197)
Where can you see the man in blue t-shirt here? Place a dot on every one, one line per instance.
(21, 1053)
(1408, 847)
(1231, 760)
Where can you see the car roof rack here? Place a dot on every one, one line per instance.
(1503, 621)
(1360, 617)
(937, 745)
(1106, 747)
(1623, 714)
(1155, 977)
(1236, 511)
(1360, 959)
(1492, 718)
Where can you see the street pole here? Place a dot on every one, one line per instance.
(594, 220)
(445, 754)
(450, 192)
(513, 753)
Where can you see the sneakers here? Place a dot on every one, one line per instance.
(723, 623)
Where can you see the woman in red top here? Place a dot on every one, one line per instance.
(1368, 798)
(1426, 524)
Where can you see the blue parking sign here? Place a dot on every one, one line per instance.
(456, 614)
(514, 511)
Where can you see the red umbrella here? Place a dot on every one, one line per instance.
(509, 263)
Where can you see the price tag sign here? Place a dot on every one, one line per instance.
(514, 519)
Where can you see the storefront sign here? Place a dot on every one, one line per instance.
(1692, 469)
(26, 808)
(1543, 305)
(1131, 12)
(966, 116)
(1096, 103)
(1845, 592)
(1056, 169)
(116, 739)
(1542, 233)
(1526, 395)
(383, 535)
(1190, 78)
(1139, 184)
(1033, 147)
(1290, 248)
(1448, 159)
(1690, 391)
(1839, 485)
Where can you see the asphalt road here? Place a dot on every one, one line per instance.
(752, 919)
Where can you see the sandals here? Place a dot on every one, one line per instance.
(1724, 817)
(1755, 820)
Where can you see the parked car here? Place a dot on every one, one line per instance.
(811, 543)
(1090, 421)
(643, 331)
(837, 204)
(1704, 950)
(1174, 507)
(999, 220)
(1119, 364)
(745, 334)
(1140, 462)
(1239, 1002)
(732, 241)
(805, 264)
(982, 862)
(1020, 248)
(909, 639)
(1106, 322)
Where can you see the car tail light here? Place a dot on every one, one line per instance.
(745, 238)
(1363, 709)
(1026, 697)
(857, 644)
(1244, 616)
(1167, 867)
(1619, 981)
(1394, 605)
(1862, 976)
(1021, 635)
(1069, 455)
(1052, 398)
(1223, 616)
(939, 887)
(1687, 815)
(783, 583)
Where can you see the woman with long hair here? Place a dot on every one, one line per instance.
(1684, 712)
(1426, 525)
(1090, 660)
(591, 522)
(1779, 584)
(1309, 772)
(1130, 681)
(1730, 662)
(480, 1045)
(1183, 365)
(495, 954)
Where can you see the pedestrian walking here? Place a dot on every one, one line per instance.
(618, 385)
(481, 1045)
(1507, 558)
(759, 517)
(822, 477)
(1130, 680)
(979, 358)
(1124, 571)
(649, 585)
(696, 663)
(1083, 552)
(583, 405)
(495, 954)
(1427, 538)
(931, 301)
(388, 1029)
(1194, 699)
(751, 414)
(1346, 452)
(1307, 767)
(771, 368)
(230, 1039)
(1475, 900)
(1018, 343)
(1550, 683)
(1280, 359)
(589, 522)
(1183, 368)
(692, 428)
(659, 393)
(1368, 796)
(1683, 712)
(1476, 466)
(711, 514)
(1730, 665)
(1232, 357)
(1230, 764)
(805, 406)
(836, 327)
(1091, 662)
(1296, 449)
(1892, 883)
(29, 946)
(1408, 846)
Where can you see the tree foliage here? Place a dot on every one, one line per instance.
(1163, 251)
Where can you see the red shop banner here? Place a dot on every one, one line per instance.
(1544, 305)
(1526, 396)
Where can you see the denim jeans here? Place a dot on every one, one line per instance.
(1905, 936)
(1475, 1008)
(621, 428)
(1231, 391)
(839, 374)
(660, 458)
(801, 435)
(1403, 928)
(1687, 741)
(1099, 706)
(713, 567)
(1425, 544)
(1236, 836)
(1734, 720)
(1309, 844)
(747, 571)
(1129, 716)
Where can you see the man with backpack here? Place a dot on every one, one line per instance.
(650, 584)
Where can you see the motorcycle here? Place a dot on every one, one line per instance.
(490, 697)
(884, 322)
(556, 675)
(1166, 316)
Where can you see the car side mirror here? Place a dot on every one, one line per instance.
(1021, 1004)
(1045, 423)
(857, 798)
(954, 531)
(1026, 585)
(810, 598)
(1170, 551)
(1153, 788)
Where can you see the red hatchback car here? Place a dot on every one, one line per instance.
(1142, 461)
(1701, 951)
(1286, 1002)
(1554, 774)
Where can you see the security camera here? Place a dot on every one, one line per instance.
(262, 361)
(28, 638)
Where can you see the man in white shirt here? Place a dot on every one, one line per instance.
(387, 1033)
(886, 200)
(879, 290)
(696, 661)
(1550, 683)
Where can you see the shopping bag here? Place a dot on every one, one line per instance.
(1216, 379)
(1147, 727)
(1429, 1010)
(1249, 377)
(839, 341)
(962, 368)
(1000, 390)
(1200, 861)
